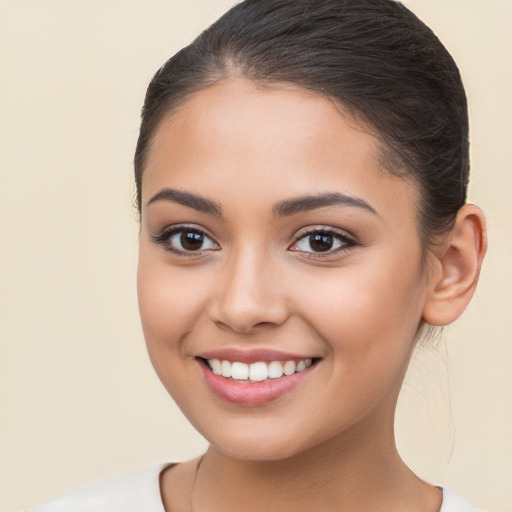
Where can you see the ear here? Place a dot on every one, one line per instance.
(455, 267)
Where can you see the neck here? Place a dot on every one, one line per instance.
(360, 470)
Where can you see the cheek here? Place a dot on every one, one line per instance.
(168, 304)
(366, 309)
(169, 300)
(369, 321)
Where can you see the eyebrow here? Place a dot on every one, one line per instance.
(282, 209)
(194, 201)
(312, 202)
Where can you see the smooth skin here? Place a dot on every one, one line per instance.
(254, 278)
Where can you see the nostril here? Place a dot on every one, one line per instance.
(263, 324)
(244, 328)
(240, 328)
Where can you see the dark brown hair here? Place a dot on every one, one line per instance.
(374, 57)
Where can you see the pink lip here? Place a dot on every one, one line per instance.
(247, 394)
(251, 356)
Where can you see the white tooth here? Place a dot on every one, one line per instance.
(301, 365)
(309, 362)
(275, 370)
(289, 367)
(240, 371)
(226, 368)
(216, 366)
(258, 372)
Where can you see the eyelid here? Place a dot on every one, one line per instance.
(348, 241)
(168, 232)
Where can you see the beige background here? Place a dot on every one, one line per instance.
(78, 398)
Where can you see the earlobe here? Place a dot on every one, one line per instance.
(457, 263)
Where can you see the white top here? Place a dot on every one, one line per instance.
(140, 492)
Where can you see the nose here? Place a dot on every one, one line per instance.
(250, 294)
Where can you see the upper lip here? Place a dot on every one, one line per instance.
(251, 355)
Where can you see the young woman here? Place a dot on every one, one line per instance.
(301, 173)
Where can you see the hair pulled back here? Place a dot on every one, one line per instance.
(374, 57)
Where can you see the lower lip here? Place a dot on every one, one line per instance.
(250, 394)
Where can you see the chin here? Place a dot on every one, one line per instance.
(257, 452)
(258, 445)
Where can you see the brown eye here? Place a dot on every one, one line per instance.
(191, 240)
(322, 241)
(186, 240)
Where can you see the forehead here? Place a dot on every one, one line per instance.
(271, 142)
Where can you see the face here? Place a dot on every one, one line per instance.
(280, 273)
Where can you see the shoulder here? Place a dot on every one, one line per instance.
(454, 503)
(127, 493)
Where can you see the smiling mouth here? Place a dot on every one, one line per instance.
(257, 372)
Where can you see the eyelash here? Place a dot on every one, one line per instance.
(165, 238)
(345, 242)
